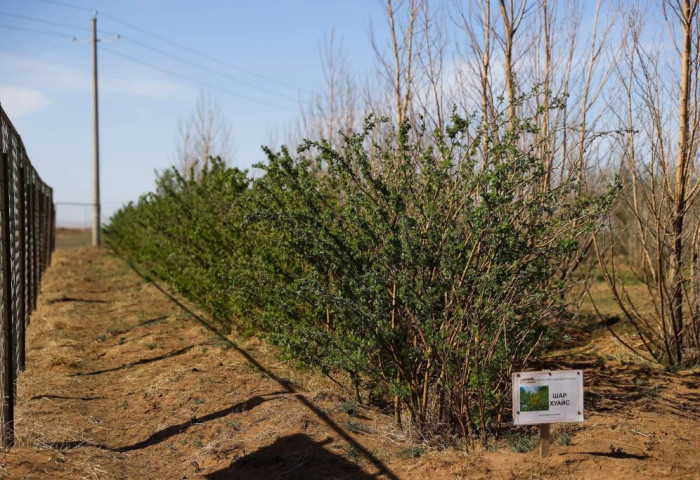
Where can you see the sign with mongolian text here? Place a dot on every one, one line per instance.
(547, 397)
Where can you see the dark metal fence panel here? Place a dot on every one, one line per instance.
(6, 370)
(27, 239)
(22, 312)
(15, 252)
(36, 262)
(32, 239)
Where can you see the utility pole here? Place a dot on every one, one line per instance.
(96, 210)
(96, 241)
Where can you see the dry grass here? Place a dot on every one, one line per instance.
(209, 412)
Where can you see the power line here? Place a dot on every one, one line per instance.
(160, 69)
(40, 32)
(201, 54)
(192, 80)
(41, 20)
(46, 21)
(157, 50)
(178, 45)
(207, 69)
(68, 5)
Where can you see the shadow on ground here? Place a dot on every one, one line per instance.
(293, 457)
(356, 447)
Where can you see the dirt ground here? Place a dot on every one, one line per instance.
(124, 380)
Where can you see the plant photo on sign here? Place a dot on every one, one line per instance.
(534, 399)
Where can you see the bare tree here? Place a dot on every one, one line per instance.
(431, 94)
(512, 14)
(476, 22)
(399, 66)
(332, 107)
(663, 189)
(204, 134)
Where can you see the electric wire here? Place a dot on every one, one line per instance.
(163, 70)
(154, 49)
(177, 45)
(198, 53)
(206, 69)
(49, 22)
(68, 5)
(192, 80)
(31, 30)
(41, 20)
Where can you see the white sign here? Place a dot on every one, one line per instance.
(547, 397)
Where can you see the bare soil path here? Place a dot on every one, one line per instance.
(124, 382)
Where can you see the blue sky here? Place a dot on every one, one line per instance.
(45, 80)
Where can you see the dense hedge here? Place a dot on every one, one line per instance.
(422, 265)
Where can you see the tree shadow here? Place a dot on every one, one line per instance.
(293, 457)
(617, 454)
(75, 299)
(62, 397)
(171, 431)
(143, 361)
(289, 388)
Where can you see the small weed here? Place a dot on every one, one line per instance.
(101, 338)
(122, 340)
(204, 349)
(199, 401)
(117, 329)
(151, 346)
(354, 453)
(349, 407)
(198, 443)
(355, 427)
(410, 452)
(564, 439)
(172, 447)
(521, 442)
(235, 425)
(125, 405)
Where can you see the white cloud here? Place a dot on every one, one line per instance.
(20, 101)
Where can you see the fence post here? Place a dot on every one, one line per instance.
(22, 293)
(13, 210)
(30, 241)
(35, 237)
(6, 350)
(40, 230)
(52, 243)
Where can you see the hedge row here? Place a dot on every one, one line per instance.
(421, 267)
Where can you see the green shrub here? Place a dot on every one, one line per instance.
(422, 264)
(521, 442)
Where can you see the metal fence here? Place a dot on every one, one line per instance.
(27, 239)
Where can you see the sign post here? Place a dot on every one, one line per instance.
(546, 397)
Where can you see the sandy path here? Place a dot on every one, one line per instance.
(122, 383)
